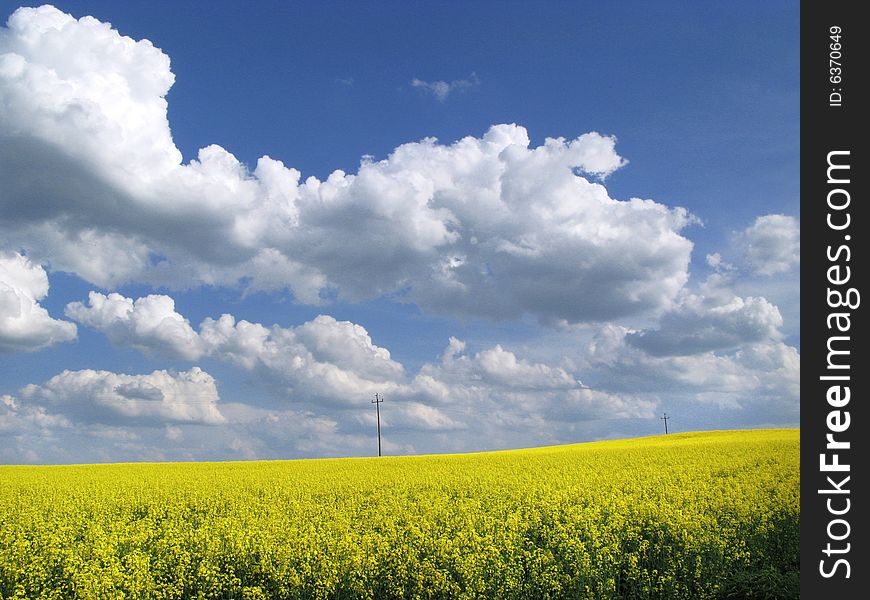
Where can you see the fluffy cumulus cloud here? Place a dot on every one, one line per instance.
(504, 384)
(149, 324)
(772, 244)
(25, 326)
(333, 361)
(714, 348)
(761, 377)
(703, 323)
(27, 430)
(105, 397)
(499, 368)
(488, 226)
(302, 358)
(322, 373)
(332, 364)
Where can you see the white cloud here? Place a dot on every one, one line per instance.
(405, 415)
(59, 72)
(490, 398)
(14, 418)
(300, 358)
(149, 324)
(26, 431)
(486, 226)
(704, 323)
(587, 404)
(25, 326)
(762, 377)
(713, 347)
(334, 365)
(441, 89)
(348, 345)
(104, 397)
(269, 433)
(715, 262)
(502, 368)
(321, 358)
(496, 382)
(772, 244)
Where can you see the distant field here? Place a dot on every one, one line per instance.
(695, 515)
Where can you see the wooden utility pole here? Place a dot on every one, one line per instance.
(377, 401)
(665, 419)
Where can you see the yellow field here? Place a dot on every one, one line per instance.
(696, 515)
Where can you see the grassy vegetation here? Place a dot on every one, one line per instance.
(697, 515)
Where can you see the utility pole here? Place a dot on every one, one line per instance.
(665, 419)
(377, 401)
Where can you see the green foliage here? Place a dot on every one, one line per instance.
(705, 515)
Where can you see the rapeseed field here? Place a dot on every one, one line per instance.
(695, 515)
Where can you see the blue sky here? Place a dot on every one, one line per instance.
(501, 291)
